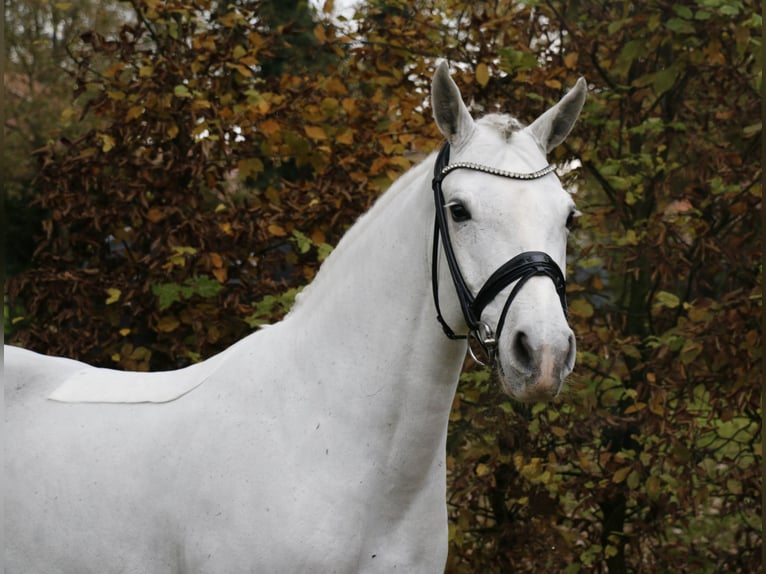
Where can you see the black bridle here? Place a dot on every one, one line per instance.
(521, 268)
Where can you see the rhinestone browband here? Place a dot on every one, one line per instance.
(495, 171)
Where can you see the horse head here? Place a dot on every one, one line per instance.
(505, 220)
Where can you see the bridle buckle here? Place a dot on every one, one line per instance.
(484, 336)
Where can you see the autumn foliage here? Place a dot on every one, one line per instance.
(234, 143)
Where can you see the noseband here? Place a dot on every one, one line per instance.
(521, 268)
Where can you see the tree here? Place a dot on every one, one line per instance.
(215, 177)
(37, 79)
(653, 463)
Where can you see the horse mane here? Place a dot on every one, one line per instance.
(402, 184)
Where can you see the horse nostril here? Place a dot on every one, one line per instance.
(522, 351)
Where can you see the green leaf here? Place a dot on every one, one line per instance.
(249, 167)
(581, 308)
(182, 91)
(621, 474)
(679, 26)
(666, 299)
(204, 286)
(167, 294)
(515, 60)
(323, 251)
(302, 241)
(663, 80)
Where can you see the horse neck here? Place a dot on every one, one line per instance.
(370, 315)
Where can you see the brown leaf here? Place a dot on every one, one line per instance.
(482, 74)
(168, 324)
(155, 215)
(316, 133)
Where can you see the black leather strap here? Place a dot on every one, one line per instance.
(440, 231)
(523, 266)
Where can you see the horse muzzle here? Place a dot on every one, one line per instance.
(532, 366)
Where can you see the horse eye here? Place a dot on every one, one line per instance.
(458, 212)
(572, 219)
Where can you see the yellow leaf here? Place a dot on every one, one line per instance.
(272, 195)
(482, 469)
(634, 408)
(221, 275)
(216, 260)
(554, 84)
(238, 52)
(201, 105)
(581, 308)
(319, 33)
(124, 332)
(347, 137)
(571, 59)
(116, 95)
(114, 296)
(334, 86)
(168, 324)
(657, 404)
(140, 354)
(349, 105)
(134, 112)
(277, 230)
(172, 131)
(482, 74)
(400, 161)
(146, 71)
(315, 133)
(226, 228)
(244, 70)
(107, 143)
(621, 474)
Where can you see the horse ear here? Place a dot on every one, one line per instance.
(551, 128)
(452, 117)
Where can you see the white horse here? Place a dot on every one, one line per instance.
(317, 444)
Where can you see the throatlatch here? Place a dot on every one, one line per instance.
(521, 268)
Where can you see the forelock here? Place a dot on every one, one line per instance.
(505, 124)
